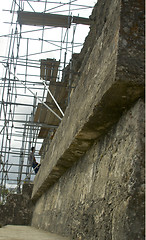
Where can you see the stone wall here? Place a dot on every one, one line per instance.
(18, 208)
(107, 86)
(91, 181)
(101, 196)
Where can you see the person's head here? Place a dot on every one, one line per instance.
(33, 149)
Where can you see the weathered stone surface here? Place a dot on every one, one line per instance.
(130, 61)
(109, 83)
(91, 182)
(18, 208)
(102, 195)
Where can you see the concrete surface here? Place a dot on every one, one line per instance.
(11, 232)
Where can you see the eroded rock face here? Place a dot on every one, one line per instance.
(107, 86)
(101, 196)
(90, 184)
(18, 208)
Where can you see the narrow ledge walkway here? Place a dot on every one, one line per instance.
(11, 232)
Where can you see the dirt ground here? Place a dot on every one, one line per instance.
(11, 232)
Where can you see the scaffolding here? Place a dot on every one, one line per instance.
(43, 36)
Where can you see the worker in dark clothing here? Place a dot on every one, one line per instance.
(33, 162)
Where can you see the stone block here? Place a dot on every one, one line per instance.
(109, 83)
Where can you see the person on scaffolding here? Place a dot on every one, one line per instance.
(34, 164)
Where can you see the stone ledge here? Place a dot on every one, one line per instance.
(107, 87)
(117, 99)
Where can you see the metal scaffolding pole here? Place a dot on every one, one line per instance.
(21, 160)
(25, 60)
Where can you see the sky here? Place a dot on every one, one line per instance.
(36, 46)
(31, 47)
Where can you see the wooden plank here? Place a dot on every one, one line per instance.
(43, 19)
(43, 133)
(45, 68)
(43, 115)
(55, 71)
(81, 20)
(40, 113)
(47, 19)
(49, 69)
